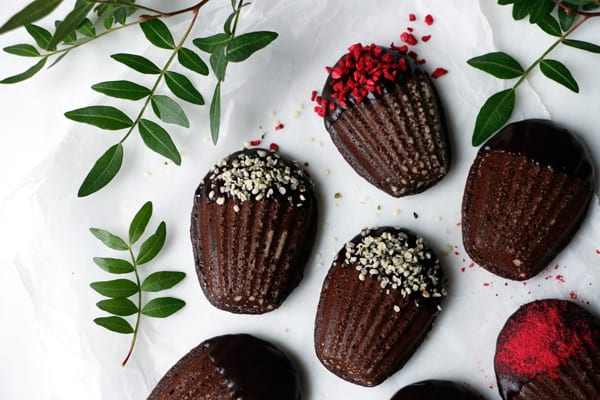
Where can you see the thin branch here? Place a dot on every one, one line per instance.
(570, 10)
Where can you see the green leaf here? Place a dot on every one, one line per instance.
(565, 19)
(140, 222)
(579, 44)
(243, 46)
(116, 288)
(34, 11)
(41, 36)
(494, 113)
(115, 324)
(110, 240)
(192, 61)
(520, 9)
(23, 50)
(212, 43)
(158, 140)
(169, 111)
(498, 64)
(86, 28)
(104, 117)
(215, 113)
(120, 306)
(114, 265)
(152, 246)
(558, 72)
(103, 171)
(27, 74)
(71, 22)
(122, 90)
(70, 38)
(550, 25)
(162, 280)
(538, 9)
(218, 63)
(162, 307)
(158, 33)
(228, 21)
(138, 63)
(183, 88)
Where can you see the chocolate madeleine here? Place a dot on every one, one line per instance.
(231, 367)
(253, 227)
(549, 350)
(385, 117)
(526, 195)
(434, 390)
(379, 300)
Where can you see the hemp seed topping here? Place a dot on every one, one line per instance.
(257, 174)
(398, 260)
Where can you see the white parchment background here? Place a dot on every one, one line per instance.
(49, 347)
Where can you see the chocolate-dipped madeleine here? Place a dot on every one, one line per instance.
(253, 227)
(549, 350)
(434, 389)
(378, 301)
(526, 195)
(231, 367)
(385, 117)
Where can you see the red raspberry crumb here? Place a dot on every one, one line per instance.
(412, 17)
(313, 95)
(426, 38)
(273, 147)
(279, 127)
(410, 29)
(429, 19)
(255, 142)
(408, 38)
(439, 72)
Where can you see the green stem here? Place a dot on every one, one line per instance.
(139, 306)
(237, 17)
(550, 49)
(162, 73)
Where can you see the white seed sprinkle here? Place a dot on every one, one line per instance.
(396, 308)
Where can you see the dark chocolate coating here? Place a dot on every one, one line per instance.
(576, 378)
(526, 195)
(250, 261)
(358, 334)
(434, 390)
(399, 140)
(231, 367)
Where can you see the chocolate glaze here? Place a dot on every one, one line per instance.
(435, 390)
(576, 379)
(249, 261)
(398, 140)
(358, 334)
(526, 195)
(231, 367)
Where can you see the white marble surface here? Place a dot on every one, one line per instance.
(49, 345)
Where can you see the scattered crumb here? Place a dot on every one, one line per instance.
(397, 211)
(296, 114)
(337, 195)
(147, 173)
(415, 215)
(446, 250)
(325, 172)
(310, 139)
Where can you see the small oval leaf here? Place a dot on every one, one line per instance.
(162, 280)
(550, 25)
(218, 63)
(158, 33)
(140, 222)
(192, 61)
(169, 111)
(103, 171)
(121, 306)
(122, 90)
(162, 307)
(86, 28)
(110, 240)
(104, 117)
(23, 50)
(32, 12)
(243, 46)
(115, 324)
(71, 22)
(579, 44)
(41, 36)
(183, 88)
(138, 63)
(494, 113)
(212, 43)
(566, 19)
(116, 288)
(158, 140)
(215, 113)
(27, 74)
(558, 72)
(114, 265)
(152, 246)
(498, 64)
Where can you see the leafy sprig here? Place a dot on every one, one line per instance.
(76, 30)
(559, 19)
(119, 291)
